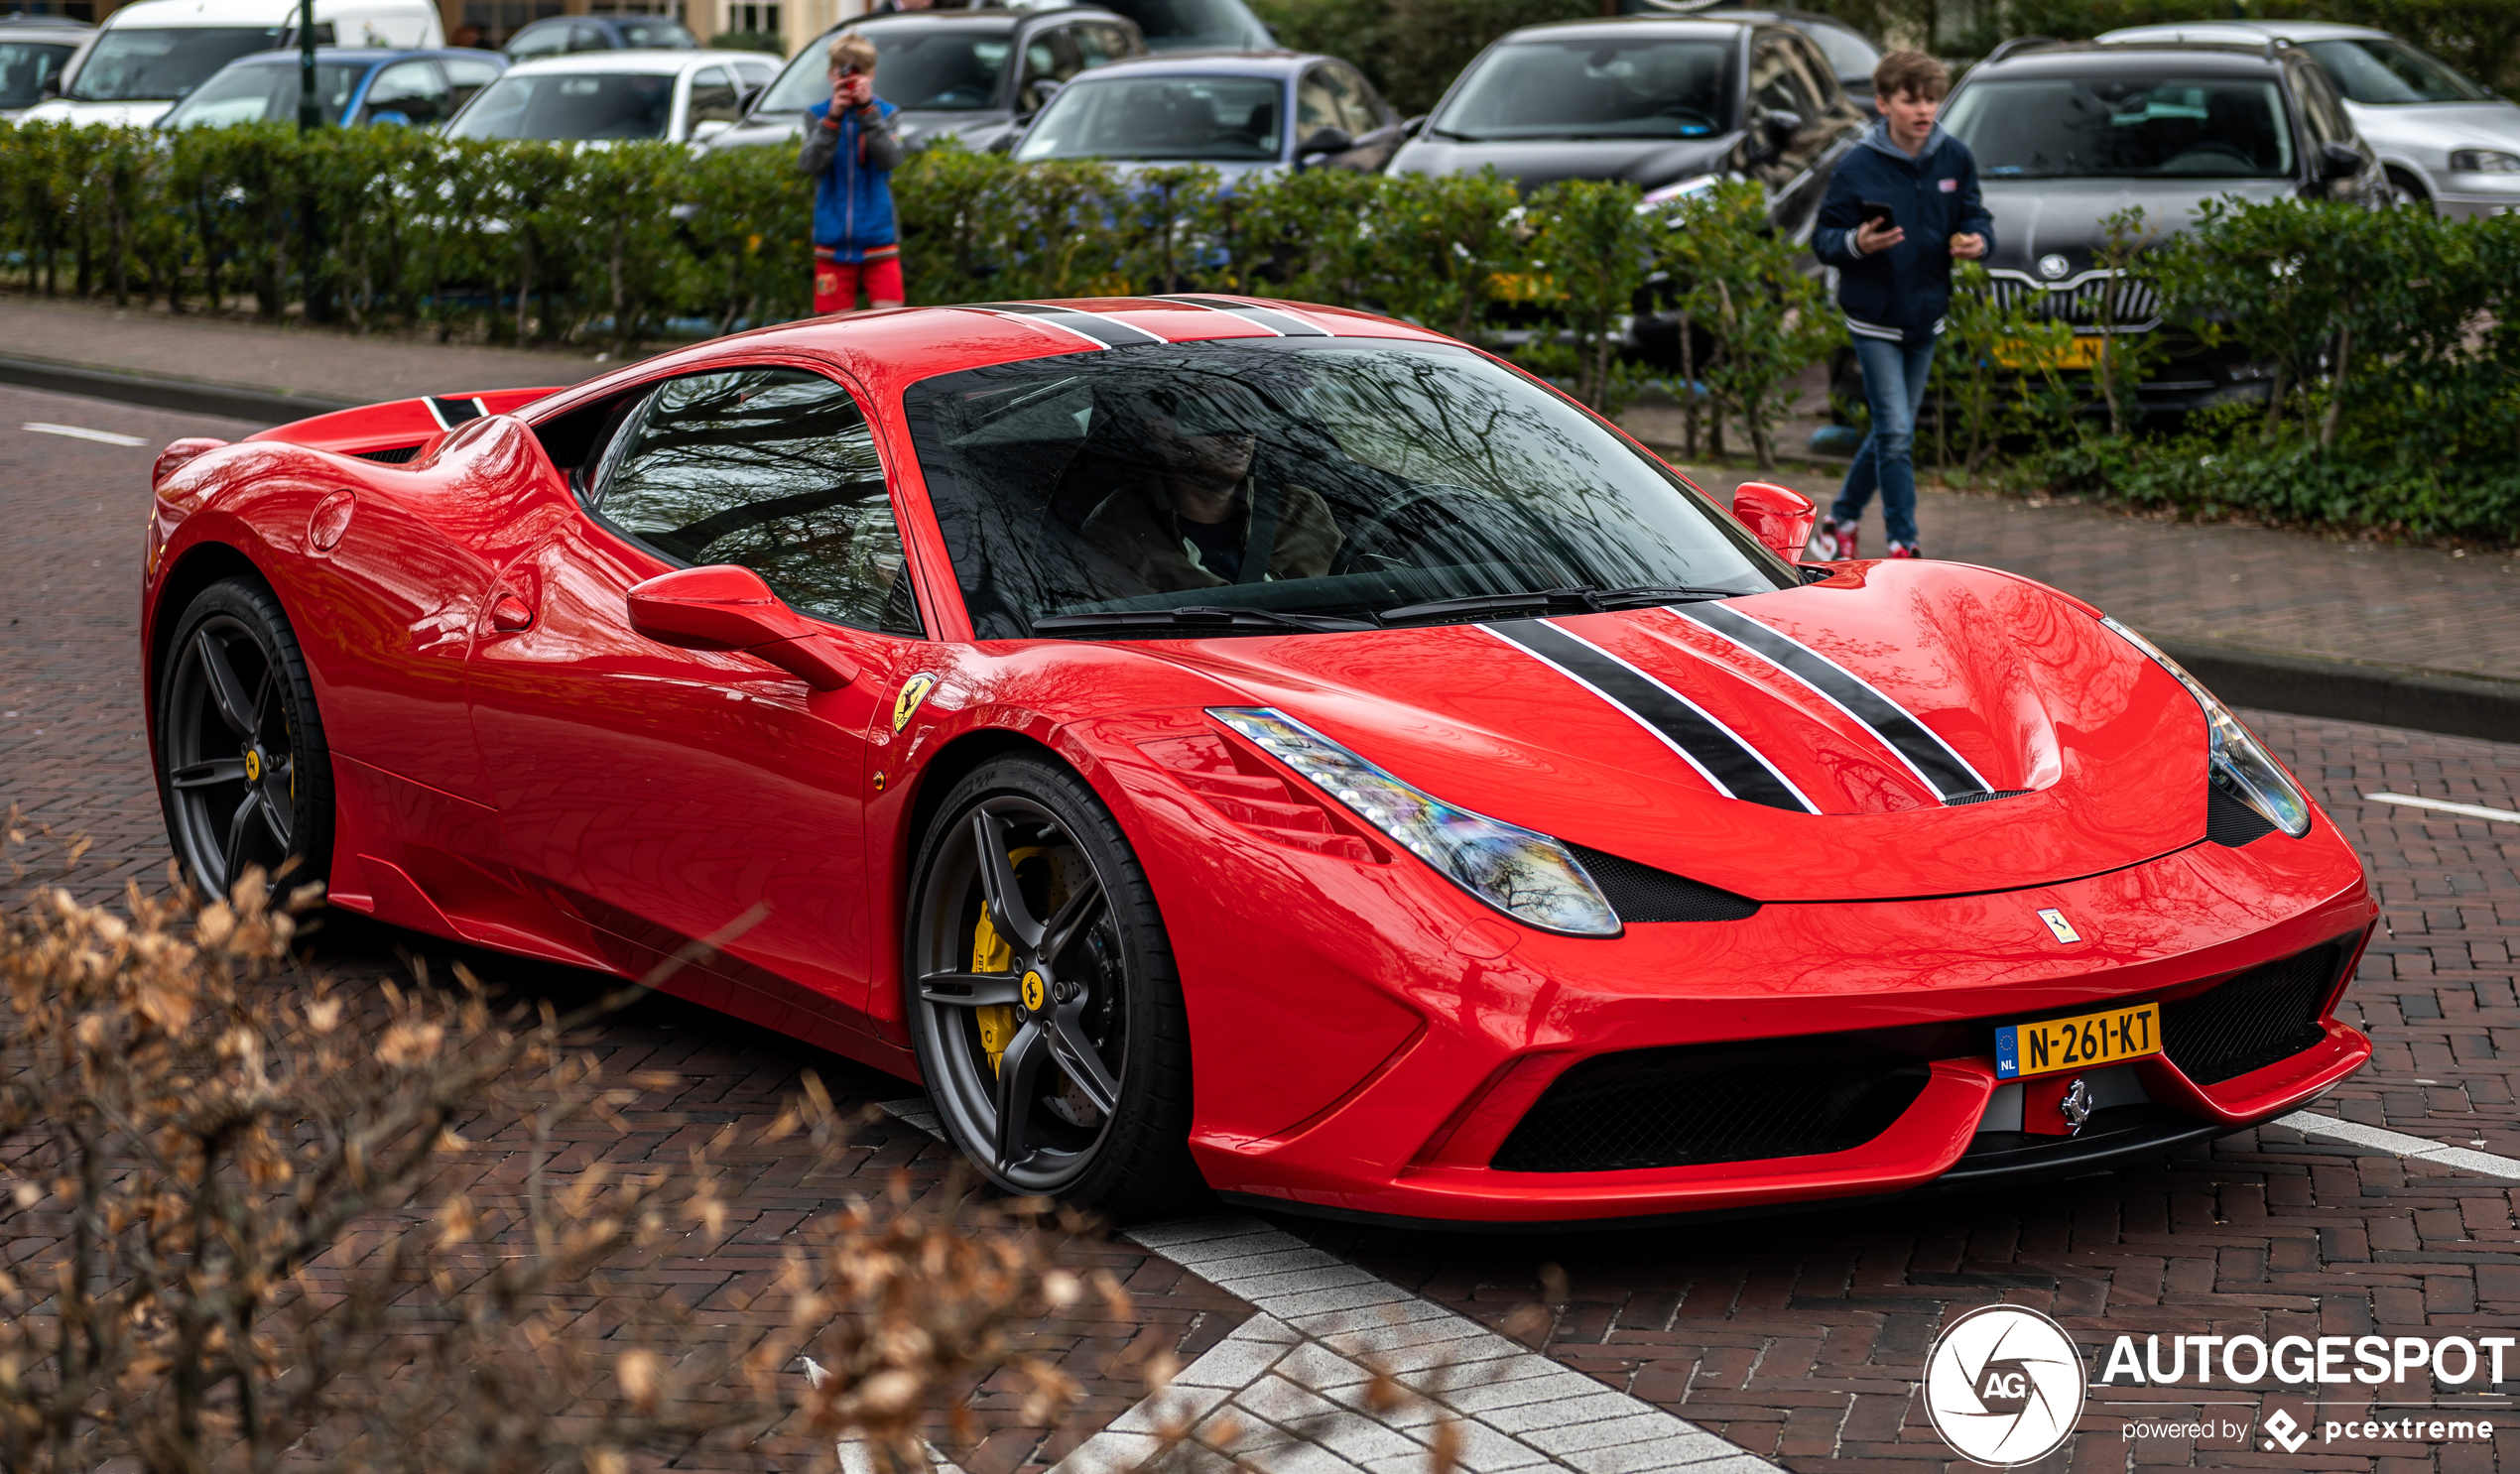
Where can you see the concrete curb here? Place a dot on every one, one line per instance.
(263, 406)
(2346, 691)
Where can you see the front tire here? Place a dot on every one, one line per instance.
(1043, 997)
(244, 775)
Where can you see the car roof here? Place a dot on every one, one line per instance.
(1727, 26)
(379, 56)
(20, 25)
(214, 13)
(2070, 58)
(976, 20)
(1207, 64)
(640, 63)
(2245, 32)
(889, 349)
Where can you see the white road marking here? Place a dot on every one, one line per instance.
(75, 433)
(2399, 1144)
(2470, 810)
(1293, 1381)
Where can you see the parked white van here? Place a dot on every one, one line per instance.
(147, 55)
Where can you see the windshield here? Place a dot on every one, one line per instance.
(1196, 25)
(581, 105)
(653, 32)
(23, 66)
(136, 65)
(2112, 127)
(1593, 89)
(1213, 118)
(939, 68)
(249, 95)
(2389, 74)
(1375, 474)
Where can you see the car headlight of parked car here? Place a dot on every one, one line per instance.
(2484, 161)
(1526, 875)
(2236, 762)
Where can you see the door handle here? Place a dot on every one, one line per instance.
(510, 613)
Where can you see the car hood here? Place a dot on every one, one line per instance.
(2107, 749)
(976, 130)
(2441, 125)
(1648, 164)
(98, 114)
(2035, 218)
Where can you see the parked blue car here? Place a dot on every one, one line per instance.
(1239, 112)
(354, 85)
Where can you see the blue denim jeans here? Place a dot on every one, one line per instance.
(1894, 389)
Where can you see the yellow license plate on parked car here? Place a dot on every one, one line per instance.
(2127, 1031)
(2082, 353)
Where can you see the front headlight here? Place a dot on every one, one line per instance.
(2236, 762)
(1530, 877)
(2484, 161)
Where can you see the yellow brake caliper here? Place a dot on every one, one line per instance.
(991, 953)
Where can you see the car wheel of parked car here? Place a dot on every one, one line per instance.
(1043, 997)
(243, 773)
(2404, 191)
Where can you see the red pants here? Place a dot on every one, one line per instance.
(835, 284)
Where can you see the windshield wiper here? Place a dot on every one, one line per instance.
(1547, 600)
(1193, 617)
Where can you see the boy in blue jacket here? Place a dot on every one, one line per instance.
(1894, 280)
(851, 150)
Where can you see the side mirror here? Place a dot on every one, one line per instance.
(1409, 128)
(1779, 516)
(401, 119)
(2339, 160)
(1042, 89)
(708, 128)
(51, 86)
(1781, 123)
(1325, 139)
(725, 606)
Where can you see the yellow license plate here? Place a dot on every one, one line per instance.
(2081, 353)
(2127, 1031)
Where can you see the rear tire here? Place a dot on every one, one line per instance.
(244, 775)
(1043, 997)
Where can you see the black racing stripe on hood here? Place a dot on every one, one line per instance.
(1933, 759)
(449, 413)
(1708, 745)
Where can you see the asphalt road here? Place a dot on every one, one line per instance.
(1800, 1339)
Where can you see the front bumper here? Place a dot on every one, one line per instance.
(1417, 1139)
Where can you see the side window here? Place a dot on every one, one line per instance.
(1774, 84)
(1097, 44)
(585, 38)
(1360, 111)
(1817, 81)
(540, 41)
(1315, 104)
(713, 96)
(1051, 55)
(413, 88)
(771, 468)
(467, 75)
(2327, 121)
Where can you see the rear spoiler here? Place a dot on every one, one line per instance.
(397, 431)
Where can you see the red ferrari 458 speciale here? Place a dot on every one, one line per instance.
(1212, 740)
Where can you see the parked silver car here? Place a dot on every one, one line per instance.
(2446, 141)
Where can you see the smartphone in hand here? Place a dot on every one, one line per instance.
(1876, 213)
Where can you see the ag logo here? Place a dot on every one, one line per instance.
(913, 692)
(2004, 1384)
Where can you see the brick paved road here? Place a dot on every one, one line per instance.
(1800, 1338)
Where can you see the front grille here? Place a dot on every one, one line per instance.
(2136, 307)
(1641, 893)
(396, 455)
(2266, 1014)
(2229, 821)
(1694, 1104)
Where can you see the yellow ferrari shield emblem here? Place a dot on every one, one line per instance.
(1035, 992)
(253, 766)
(913, 692)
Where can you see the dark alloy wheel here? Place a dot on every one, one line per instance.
(1043, 997)
(243, 773)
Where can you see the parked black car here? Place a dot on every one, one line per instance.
(1851, 54)
(567, 35)
(2068, 134)
(976, 76)
(1663, 103)
(1195, 25)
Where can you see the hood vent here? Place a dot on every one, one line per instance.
(393, 456)
(1959, 800)
(1641, 893)
(2230, 823)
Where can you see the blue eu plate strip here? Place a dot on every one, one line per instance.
(2008, 1052)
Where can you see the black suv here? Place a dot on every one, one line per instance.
(977, 76)
(2068, 134)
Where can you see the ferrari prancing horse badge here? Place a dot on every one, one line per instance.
(913, 692)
